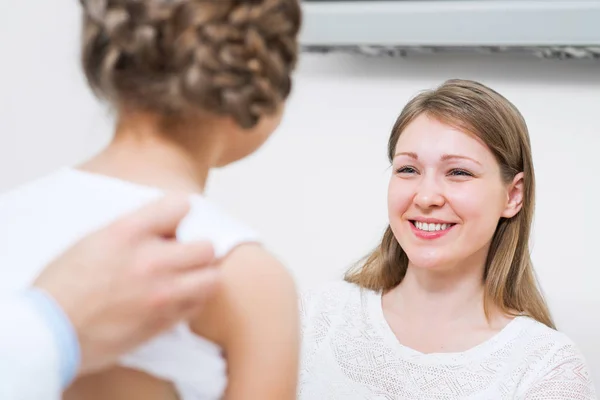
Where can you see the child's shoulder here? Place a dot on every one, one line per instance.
(208, 221)
(257, 295)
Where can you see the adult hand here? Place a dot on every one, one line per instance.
(129, 281)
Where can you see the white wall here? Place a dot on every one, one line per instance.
(317, 189)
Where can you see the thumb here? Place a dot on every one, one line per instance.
(161, 217)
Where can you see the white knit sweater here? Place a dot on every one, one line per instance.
(349, 352)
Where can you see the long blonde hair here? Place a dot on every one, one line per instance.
(509, 278)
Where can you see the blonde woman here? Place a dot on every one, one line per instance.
(447, 307)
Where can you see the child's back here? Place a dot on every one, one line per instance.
(196, 84)
(44, 217)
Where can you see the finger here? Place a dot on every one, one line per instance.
(175, 256)
(192, 291)
(161, 217)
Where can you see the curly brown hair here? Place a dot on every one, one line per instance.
(176, 57)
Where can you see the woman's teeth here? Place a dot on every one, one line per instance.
(424, 226)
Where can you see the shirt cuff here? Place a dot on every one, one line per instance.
(63, 331)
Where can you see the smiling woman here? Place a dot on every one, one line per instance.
(451, 177)
(447, 307)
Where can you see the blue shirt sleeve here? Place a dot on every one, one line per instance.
(63, 331)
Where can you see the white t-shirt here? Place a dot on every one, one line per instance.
(41, 219)
(349, 352)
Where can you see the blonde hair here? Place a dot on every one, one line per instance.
(509, 278)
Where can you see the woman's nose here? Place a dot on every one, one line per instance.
(429, 194)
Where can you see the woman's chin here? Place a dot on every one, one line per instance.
(429, 261)
(429, 266)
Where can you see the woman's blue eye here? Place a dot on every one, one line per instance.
(460, 172)
(405, 170)
(411, 170)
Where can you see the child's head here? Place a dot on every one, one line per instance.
(194, 62)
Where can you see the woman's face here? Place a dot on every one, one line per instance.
(446, 195)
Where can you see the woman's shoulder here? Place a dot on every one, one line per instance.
(332, 298)
(333, 290)
(555, 361)
(539, 335)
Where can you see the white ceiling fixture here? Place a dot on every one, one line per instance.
(548, 28)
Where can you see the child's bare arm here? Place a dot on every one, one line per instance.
(254, 316)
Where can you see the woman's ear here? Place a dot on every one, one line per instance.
(515, 196)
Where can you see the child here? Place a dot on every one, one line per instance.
(196, 84)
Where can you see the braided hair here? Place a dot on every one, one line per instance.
(228, 57)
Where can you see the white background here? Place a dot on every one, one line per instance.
(316, 191)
